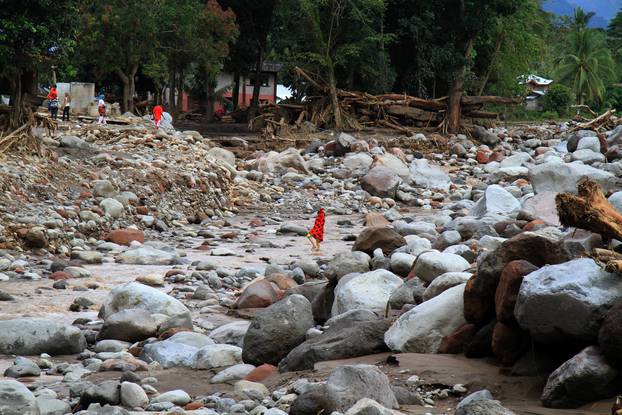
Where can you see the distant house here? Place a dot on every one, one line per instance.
(537, 87)
(267, 93)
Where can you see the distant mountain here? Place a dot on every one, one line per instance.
(605, 9)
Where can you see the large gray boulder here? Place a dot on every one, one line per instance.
(346, 385)
(347, 337)
(381, 181)
(16, 399)
(358, 163)
(587, 377)
(422, 329)
(395, 164)
(563, 177)
(130, 325)
(567, 301)
(231, 333)
(444, 282)
(140, 296)
(170, 354)
(347, 263)
(496, 200)
(369, 291)
(28, 336)
(432, 177)
(221, 154)
(432, 264)
(276, 330)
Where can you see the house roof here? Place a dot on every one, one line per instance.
(535, 79)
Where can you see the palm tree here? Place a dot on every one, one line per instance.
(587, 64)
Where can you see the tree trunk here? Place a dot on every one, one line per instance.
(180, 88)
(454, 101)
(236, 90)
(257, 86)
(128, 88)
(493, 59)
(16, 102)
(171, 91)
(332, 84)
(209, 102)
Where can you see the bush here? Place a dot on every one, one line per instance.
(558, 99)
(613, 98)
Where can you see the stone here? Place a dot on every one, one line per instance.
(177, 397)
(588, 156)
(218, 355)
(430, 265)
(411, 292)
(421, 330)
(276, 330)
(483, 407)
(89, 257)
(590, 143)
(368, 291)
(106, 392)
(261, 373)
(103, 188)
(133, 396)
(231, 333)
(563, 177)
(346, 385)
(170, 354)
(539, 248)
(566, 302)
(71, 141)
(347, 263)
(22, 368)
(358, 163)
(444, 282)
(36, 238)
(447, 239)
(16, 399)
(393, 163)
(221, 154)
(585, 378)
(384, 238)
(252, 390)
(111, 346)
(381, 181)
(509, 286)
(616, 200)
(496, 200)
(543, 206)
(139, 296)
(401, 263)
(29, 336)
(52, 406)
(233, 373)
(112, 207)
(146, 255)
(152, 280)
(345, 338)
(258, 294)
(368, 407)
(610, 335)
(425, 175)
(190, 338)
(129, 325)
(125, 236)
(509, 342)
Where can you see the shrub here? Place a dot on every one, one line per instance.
(558, 99)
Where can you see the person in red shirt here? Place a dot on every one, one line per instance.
(157, 115)
(53, 101)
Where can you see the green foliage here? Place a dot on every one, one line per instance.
(586, 64)
(559, 98)
(613, 98)
(342, 38)
(614, 40)
(35, 32)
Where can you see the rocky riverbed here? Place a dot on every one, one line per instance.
(145, 272)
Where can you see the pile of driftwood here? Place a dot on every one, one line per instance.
(360, 110)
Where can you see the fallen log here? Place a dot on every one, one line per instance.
(468, 100)
(590, 210)
(596, 123)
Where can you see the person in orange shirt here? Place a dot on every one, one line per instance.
(157, 115)
(53, 101)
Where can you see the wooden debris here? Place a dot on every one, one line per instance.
(590, 210)
(603, 121)
(399, 112)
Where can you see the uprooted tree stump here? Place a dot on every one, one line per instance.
(589, 209)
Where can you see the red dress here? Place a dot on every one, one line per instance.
(318, 227)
